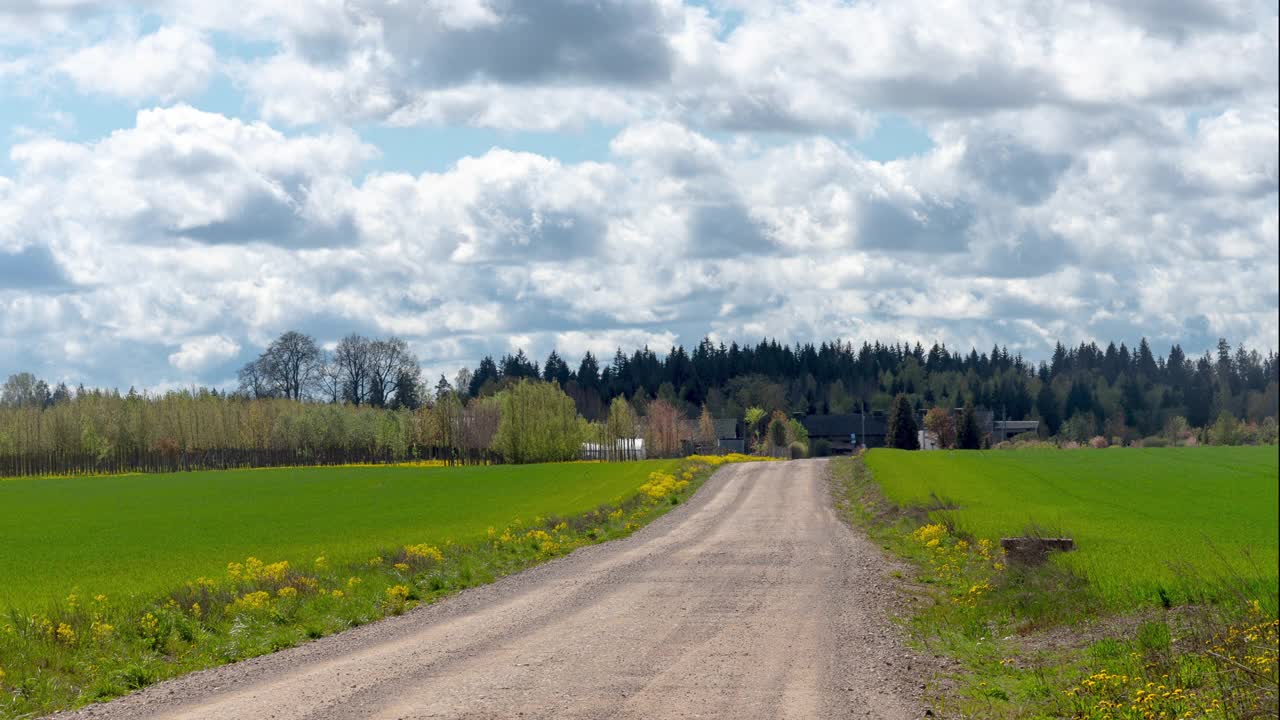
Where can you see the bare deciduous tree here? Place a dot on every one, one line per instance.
(353, 360)
(293, 362)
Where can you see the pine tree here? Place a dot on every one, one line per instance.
(902, 432)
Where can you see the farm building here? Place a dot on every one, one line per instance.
(841, 430)
(729, 435)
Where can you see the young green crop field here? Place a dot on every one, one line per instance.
(1145, 521)
(145, 534)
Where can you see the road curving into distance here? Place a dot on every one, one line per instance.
(752, 600)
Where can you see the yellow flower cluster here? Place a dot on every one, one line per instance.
(423, 552)
(1252, 646)
(929, 535)
(718, 460)
(253, 570)
(101, 631)
(149, 625)
(65, 634)
(287, 591)
(1113, 696)
(256, 600)
(964, 566)
(662, 485)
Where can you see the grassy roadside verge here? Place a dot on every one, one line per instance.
(1042, 643)
(87, 649)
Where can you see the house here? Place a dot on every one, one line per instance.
(844, 431)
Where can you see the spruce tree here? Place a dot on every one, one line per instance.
(968, 437)
(902, 432)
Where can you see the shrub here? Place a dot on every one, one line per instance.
(1155, 441)
(1225, 431)
(821, 447)
(1267, 431)
(1097, 441)
(798, 450)
(777, 432)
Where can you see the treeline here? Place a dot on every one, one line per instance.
(1082, 391)
(365, 399)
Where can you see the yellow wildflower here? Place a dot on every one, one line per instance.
(287, 591)
(424, 552)
(66, 634)
(149, 625)
(252, 601)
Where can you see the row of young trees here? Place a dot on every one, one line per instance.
(527, 421)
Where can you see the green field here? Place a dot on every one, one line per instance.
(1144, 520)
(145, 534)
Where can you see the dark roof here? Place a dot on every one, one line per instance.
(842, 425)
(726, 427)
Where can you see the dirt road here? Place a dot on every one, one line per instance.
(753, 600)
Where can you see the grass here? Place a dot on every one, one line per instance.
(1090, 634)
(144, 534)
(1150, 525)
(88, 647)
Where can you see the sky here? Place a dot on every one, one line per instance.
(181, 181)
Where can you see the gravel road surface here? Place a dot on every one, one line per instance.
(752, 600)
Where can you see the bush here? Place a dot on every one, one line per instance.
(798, 450)
(1155, 441)
(777, 432)
(821, 448)
(1098, 442)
